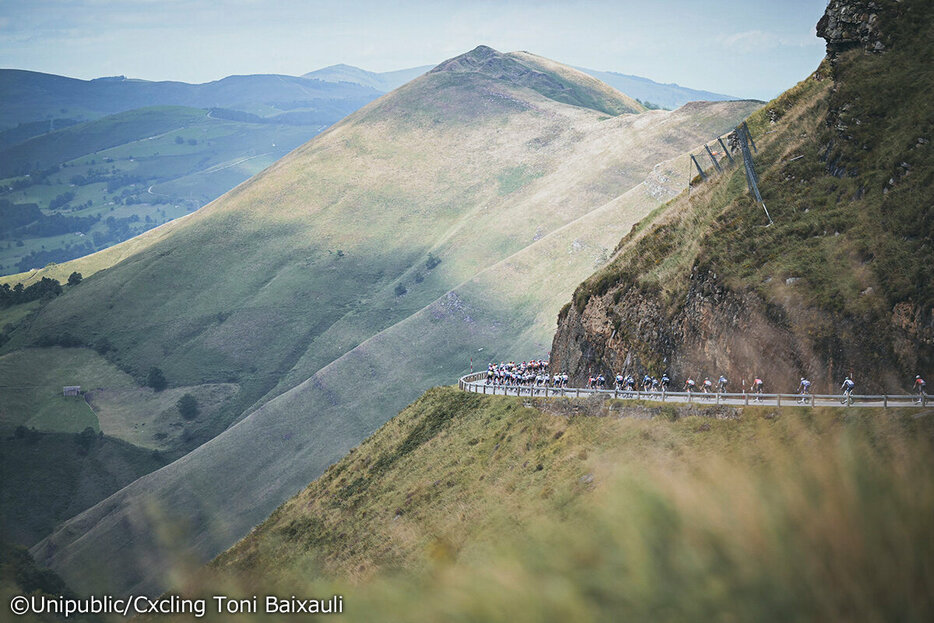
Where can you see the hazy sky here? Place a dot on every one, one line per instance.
(749, 48)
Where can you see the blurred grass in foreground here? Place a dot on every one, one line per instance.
(814, 516)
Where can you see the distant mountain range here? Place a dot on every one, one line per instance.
(385, 82)
(32, 96)
(29, 96)
(658, 95)
(669, 96)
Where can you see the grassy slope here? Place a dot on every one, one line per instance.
(37, 493)
(479, 508)
(857, 247)
(578, 88)
(252, 288)
(151, 419)
(31, 394)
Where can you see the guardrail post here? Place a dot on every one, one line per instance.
(578, 394)
(778, 399)
(812, 400)
(663, 395)
(924, 399)
(849, 400)
(616, 393)
(484, 389)
(885, 401)
(690, 397)
(745, 399)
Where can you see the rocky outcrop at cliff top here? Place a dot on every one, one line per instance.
(849, 23)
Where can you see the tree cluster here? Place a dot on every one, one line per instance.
(44, 288)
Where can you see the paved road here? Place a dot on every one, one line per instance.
(475, 383)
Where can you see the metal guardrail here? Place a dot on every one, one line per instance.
(476, 383)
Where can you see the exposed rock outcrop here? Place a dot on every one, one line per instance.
(850, 23)
(720, 331)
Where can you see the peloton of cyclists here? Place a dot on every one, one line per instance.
(535, 373)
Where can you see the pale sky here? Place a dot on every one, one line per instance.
(749, 48)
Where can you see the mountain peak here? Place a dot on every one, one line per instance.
(473, 60)
(553, 80)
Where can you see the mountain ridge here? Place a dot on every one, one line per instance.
(384, 81)
(89, 99)
(669, 95)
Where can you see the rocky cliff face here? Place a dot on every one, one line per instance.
(718, 330)
(849, 23)
(839, 285)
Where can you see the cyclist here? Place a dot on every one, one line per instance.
(619, 381)
(707, 385)
(804, 388)
(847, 388)
(721, 385)
(918, 388)
(601, 382)
(665, 382)
(591, 382)
(689, 385)
(757, 388)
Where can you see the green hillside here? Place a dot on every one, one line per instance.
(448, 219)
(98, 183)
(842, 282)
(493, 508)
(52, 148)
(37, 494)
(33, 379)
